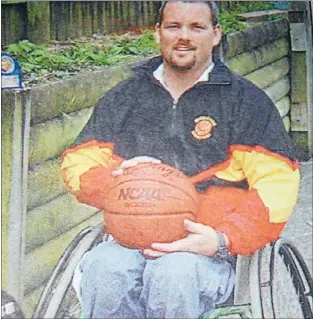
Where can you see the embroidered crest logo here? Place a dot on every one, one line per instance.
(203, 127)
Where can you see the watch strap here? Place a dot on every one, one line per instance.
(222, 251)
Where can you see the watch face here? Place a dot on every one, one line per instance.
(223, 252)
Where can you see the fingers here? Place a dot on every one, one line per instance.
(150, 253)
(195, 228)
(139, 159)
(185, 244)
(201, 240)
(134, 162)
(178, 245)
(117, 172)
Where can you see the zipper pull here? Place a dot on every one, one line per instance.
(175, 105)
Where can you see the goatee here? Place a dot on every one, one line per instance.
(185, 67)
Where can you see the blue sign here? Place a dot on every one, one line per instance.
(281, 5)
(11, 75)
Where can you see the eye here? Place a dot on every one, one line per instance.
(199, 27)
(172, 26)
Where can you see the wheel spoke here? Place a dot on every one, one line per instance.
(285, 285)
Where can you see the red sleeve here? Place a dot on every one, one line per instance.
(93, 186)
(87, 171)
(241, 215)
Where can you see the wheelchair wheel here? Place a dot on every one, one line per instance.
(285, 284)
(59, 300)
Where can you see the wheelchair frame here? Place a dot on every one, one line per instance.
(57, 298)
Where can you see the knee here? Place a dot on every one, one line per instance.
(182, 266)
(177, 265)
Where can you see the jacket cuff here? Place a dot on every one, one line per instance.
(94, 185)
(241, 215)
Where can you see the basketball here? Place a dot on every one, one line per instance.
(147, 204)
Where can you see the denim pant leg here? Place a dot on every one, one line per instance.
(111, 282)
(185, 285)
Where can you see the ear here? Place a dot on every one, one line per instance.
(157, 33)
(217, 34)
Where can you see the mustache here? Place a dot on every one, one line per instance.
(186, 44)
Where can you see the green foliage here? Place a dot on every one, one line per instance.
(39, 62)
(248, 6)
(230, 23)
(229, 20)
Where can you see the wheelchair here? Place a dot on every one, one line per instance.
(272, 283)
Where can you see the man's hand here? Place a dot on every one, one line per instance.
(134, 162)
(201, 240)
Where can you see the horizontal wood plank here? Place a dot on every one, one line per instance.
(39, 263)
(54, 218)
(248, 62)
(49, 139)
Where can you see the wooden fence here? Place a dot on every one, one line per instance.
(41, 21)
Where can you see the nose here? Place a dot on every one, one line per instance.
(184, 33)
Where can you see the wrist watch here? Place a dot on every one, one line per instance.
(222, 251)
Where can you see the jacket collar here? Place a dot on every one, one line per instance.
(220, 75)
(158, 74)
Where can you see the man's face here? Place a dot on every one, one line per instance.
(186, 35)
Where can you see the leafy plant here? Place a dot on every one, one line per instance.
(230, 23)
(248, 6)
(228, 17)
(39, 62)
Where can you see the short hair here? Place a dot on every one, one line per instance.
(212, 5)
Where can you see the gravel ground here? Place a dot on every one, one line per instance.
(299, 231)
(299, 227)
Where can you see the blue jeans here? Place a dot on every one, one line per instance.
(118, 282)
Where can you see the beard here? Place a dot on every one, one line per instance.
(177, 65)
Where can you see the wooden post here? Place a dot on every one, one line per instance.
(309, 65)
(38, 13)
(105, 16)
(13, 23)
(139, 15)
(15, 142)
(87, 19)
(145, 13)
(118, 16)
(112, 16)
(301, 106)
(53, 20)
(77, 19)
(132, 14)
(71, 27)
(62, 20)
(95, 17)
(126, 16)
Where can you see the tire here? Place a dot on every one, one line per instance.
(59, 299)
(285, 283)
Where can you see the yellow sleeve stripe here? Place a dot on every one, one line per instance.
(78, 162)
(276, 181)
(233, 172)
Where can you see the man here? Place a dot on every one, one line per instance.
(191, 112)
